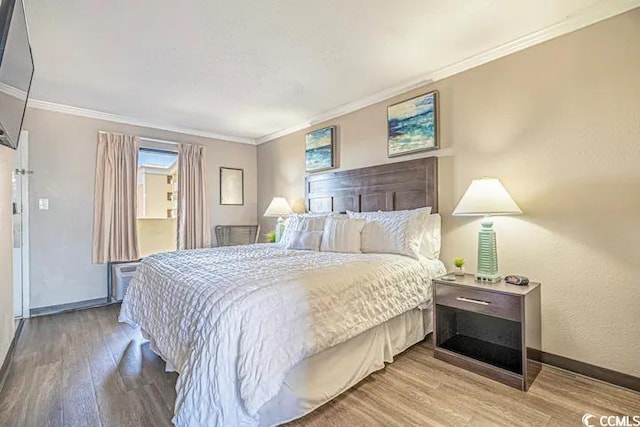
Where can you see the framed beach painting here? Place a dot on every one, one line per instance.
(412, 125)
(320, 149)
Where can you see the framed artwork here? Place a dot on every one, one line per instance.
(231, 186)
(320, 149)
(412, 125)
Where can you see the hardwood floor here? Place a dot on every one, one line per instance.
(84, 369)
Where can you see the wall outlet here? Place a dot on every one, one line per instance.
(43, 204)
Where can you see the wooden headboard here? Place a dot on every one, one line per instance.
(390, 187)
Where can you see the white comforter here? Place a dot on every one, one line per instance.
(233, 321)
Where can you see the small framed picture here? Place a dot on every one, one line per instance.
(231, 186)
(412, 125)
(320, 149)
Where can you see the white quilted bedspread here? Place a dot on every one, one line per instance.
(233, 321)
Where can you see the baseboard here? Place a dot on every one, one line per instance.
(586, 369)
(61, 308)
(4, 371)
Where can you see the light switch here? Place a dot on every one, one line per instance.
(43, 204)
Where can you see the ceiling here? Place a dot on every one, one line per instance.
(247, 69)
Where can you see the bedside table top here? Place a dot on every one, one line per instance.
(502, 287)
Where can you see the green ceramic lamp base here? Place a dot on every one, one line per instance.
(488, 278)
(487, 252)
(279, 228)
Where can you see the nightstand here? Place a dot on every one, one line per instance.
(492, 329)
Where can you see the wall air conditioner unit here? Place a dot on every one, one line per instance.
(121, 275)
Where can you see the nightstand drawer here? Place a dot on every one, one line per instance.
(483, 302)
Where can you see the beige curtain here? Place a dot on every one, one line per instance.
(194, 231)
(115, 234)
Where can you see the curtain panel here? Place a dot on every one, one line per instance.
(115, 234)
(194, 230)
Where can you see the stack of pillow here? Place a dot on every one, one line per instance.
(413, 233)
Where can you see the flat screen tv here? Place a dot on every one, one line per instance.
(16, 70)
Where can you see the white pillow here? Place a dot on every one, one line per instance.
(342, 235)
(431, 240)
(306, 241)
(302, 222)
(393, 232)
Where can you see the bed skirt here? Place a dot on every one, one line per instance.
(320, 378)
(323, 376)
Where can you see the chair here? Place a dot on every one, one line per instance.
(233, 235)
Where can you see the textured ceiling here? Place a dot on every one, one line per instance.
(250, 68)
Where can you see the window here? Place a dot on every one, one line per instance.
(157, 201)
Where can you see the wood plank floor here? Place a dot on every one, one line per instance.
(85, 369)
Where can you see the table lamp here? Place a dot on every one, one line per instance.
(486, 197)
(278, 208)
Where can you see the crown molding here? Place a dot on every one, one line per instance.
(581, 19)
(12, 91)
(350, 107)
(93, 114)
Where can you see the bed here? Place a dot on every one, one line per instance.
(261, 334)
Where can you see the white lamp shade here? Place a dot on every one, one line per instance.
(278, 207)
(486, 196)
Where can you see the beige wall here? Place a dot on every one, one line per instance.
(6, 239)
(62, 154)
(559, 124)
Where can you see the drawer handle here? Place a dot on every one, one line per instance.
(474, 301)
